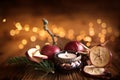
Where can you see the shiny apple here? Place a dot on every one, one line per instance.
(75, 46)
(50, 50)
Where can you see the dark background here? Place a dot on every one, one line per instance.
(38, 7)
(64, 7)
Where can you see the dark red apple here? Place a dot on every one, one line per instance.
(50, 50)
(75, 46)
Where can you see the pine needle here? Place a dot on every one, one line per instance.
(45, 65)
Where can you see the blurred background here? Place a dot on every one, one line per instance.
(91, 22)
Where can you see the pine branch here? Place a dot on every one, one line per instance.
(18, 60)
(44, 65)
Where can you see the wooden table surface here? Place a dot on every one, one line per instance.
(22, 72)
(25, 73)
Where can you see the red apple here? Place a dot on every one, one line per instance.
(50, 50)
(34, 55)
(75, 46)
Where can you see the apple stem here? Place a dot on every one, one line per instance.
(45, 22)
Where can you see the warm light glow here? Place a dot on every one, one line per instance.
(33, 38)
(42, 33)
(99, 21)
(79, 38)
(61, 32)
(49, 39)
(97, 31)
(83, 33)
(109, 29)
(21, 46)
(88, 38)
(103, 25)
(90, 24)
(18, 26)
(102, 39)
(24, 41)
(4, 20)
(37, 46)
(71, 31)
(12, 32)
(56, 39)
(99, 34)
(91, 31)
(55, 30)
(35, 29)
(47, 43)
(104, 31)
(17, 31)
(26, 27)
(70, 34)
(112, 38)
(117, 33)
(88, 44)
(102, 36)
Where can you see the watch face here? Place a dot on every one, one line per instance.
(99, 56)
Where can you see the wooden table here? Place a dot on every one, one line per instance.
(22, 72)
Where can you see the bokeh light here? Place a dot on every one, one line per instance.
(4, 20)
(26, 27)
(35, 29)
(33, 38)
(103, 25)
(12, 32)
(88, 44)
(104, 33)
(109, 29)
(88, 38)
(20, 46)
(18, 26)
(99, 21)
(24, 41)
(90, 24)
(91, 31)
(70, 34)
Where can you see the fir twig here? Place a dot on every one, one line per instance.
(45, 65)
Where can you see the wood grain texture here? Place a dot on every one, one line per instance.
(23, 72)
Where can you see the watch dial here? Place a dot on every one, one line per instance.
(99, 56)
